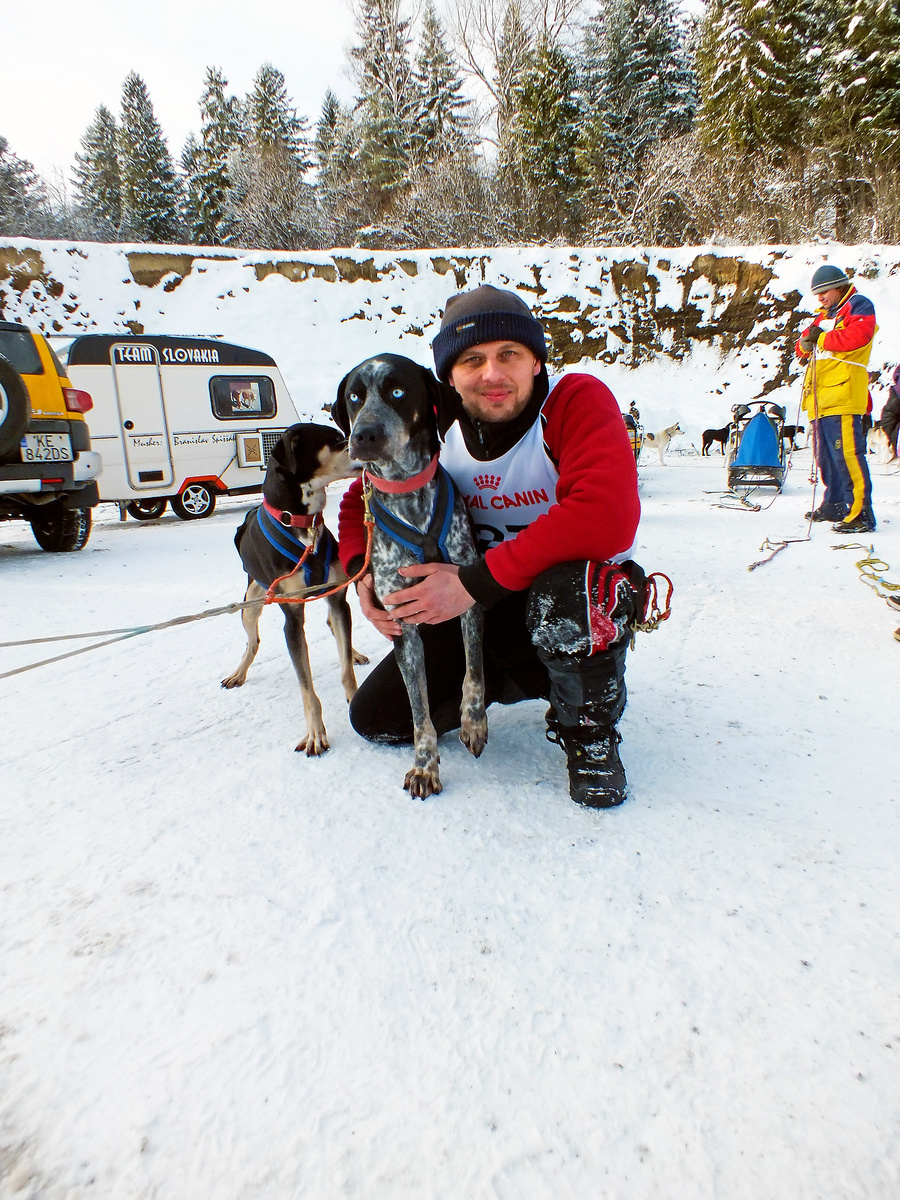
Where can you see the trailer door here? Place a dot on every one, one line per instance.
(142, 417)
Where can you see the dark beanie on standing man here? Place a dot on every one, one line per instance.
(486, 314)
(826, 277)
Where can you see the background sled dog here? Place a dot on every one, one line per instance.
(660, 440)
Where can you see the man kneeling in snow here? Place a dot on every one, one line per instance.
(549, 478)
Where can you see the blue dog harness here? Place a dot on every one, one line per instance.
(430, 546)
(290, 546)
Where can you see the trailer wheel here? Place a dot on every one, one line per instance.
(62, 529)
(146, 510)
(197, 500)
(15, 409)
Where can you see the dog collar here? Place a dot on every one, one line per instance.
(404, 485)
(293, 520)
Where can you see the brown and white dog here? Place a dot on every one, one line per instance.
(879, 444)
(387, 406)
(660, 440)
(272, 541)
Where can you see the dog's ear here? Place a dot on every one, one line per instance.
(283, 450)
(444, 400)
(339, 412)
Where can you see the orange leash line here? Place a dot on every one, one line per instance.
(369, 522)
(310, 549)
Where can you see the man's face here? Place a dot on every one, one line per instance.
(829, 298)
(495, 379)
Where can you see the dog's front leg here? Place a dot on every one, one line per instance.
(424, 778)
(473, 731)
(316, 740)
(250, 621)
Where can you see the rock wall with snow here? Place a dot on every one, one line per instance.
(320, 312)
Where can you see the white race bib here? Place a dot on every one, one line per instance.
(506, 494)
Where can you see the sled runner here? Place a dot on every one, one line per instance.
(756, 451)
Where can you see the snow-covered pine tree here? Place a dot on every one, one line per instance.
(338, 186)
(271, 120)
(23, 196)
(859, 75)
(440, 124)
(96, 177)
(149, 187)
(637, 88)
(547, 117)
(386, 104)
(752, 68)
(512, 53)
(269, 203)
(205, 162)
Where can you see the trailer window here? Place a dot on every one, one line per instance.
(235, 398)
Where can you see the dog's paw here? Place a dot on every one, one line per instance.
(423, 782)
(233, 681)
(474, 734)
(313, 744)
(359, 660)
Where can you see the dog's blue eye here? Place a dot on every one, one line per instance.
(397, 393)
(353, 398)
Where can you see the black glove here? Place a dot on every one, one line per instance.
(810, 338)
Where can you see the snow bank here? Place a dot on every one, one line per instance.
(610, 310)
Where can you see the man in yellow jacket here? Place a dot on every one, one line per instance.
(836, 348)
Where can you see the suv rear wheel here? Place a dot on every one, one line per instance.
(62, 529)
(15, 409)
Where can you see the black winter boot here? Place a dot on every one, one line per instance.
(580, 617)
(587, 697)
(864, 523)
(596, 775)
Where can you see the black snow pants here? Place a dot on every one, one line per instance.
(564, 640)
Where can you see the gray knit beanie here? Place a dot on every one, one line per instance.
(486, 314)
(828, 276)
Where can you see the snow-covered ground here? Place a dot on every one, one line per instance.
(228, 972)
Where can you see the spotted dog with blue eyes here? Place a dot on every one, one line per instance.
(387, 405)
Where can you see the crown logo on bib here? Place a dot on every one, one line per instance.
(490, 482)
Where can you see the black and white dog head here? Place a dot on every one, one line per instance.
(387, 405)
(302, 463)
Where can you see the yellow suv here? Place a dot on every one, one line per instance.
(48, 472)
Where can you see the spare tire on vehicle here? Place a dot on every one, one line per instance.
(15, 410)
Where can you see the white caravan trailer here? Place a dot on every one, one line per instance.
(179, 420)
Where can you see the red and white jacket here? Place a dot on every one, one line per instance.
(597, 508)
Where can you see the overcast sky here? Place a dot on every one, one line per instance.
(62, 58)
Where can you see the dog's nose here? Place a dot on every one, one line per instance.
(365, 439)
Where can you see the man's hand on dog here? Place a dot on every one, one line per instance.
(439, 597)
(386, 625)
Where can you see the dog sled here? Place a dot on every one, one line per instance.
(756, 450)
(635, 434)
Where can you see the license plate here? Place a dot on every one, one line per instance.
(46, 447)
